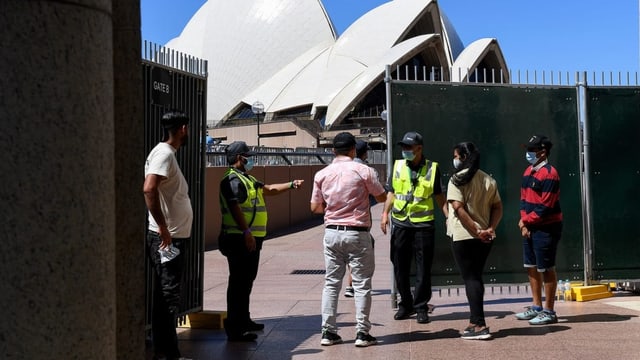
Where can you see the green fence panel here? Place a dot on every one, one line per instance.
(498, 119)
(614, 127)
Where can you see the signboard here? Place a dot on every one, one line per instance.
(162, 86)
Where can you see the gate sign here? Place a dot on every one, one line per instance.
(161, 85)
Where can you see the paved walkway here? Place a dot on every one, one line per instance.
(289, 306)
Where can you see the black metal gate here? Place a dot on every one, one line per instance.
(174, 80)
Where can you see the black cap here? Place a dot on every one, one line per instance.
(361, 147)
(344, 140)
(411, 138)
(238, 148)
(174, 119)
(538, 142)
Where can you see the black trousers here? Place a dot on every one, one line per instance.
(167, 280)
(243, 269)
(413, 244)
(471, 256)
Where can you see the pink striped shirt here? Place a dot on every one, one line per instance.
(344, 186)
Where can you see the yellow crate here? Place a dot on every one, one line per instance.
(591, 292)
(205, 320)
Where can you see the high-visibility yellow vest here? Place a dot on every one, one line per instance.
(413, 199)
(253, 208)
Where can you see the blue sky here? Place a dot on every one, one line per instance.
(541, 35)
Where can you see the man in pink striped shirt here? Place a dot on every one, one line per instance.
(341, 192)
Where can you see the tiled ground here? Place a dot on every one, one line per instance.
(289, 305)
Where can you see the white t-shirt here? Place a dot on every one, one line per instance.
(478, 195)
(174, 191)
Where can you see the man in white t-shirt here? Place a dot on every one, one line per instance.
(166, 195)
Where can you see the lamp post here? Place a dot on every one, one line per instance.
(257, 108)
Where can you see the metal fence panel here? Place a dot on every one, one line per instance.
(614, 126)
(498, 119)
(180, 85)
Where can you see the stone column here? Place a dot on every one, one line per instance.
(64, 182)
(129, 156)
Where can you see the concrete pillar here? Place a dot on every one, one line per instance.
(65, 177)
(129, 158)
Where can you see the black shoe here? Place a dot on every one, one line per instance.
(246, 337)
(237, 334)
(364, 340)
(329, 338)
(422, 317)
(254, 326)
(403, 314)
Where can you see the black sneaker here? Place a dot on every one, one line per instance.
(403, 314)
(470, 333)
(254, 326)
(422, 317)
(329, 338)
(364, 340)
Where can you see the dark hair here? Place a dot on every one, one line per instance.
(471, 155)
(173, 120)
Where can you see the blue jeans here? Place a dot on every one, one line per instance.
(354, 248)
(167, 279)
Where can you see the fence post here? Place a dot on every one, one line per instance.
(583, 136)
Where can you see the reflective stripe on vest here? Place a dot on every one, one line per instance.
(413, 202)
(252, 208)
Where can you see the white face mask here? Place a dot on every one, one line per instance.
(249, 164)
(457, 163)
(531, 157)
(408, 155)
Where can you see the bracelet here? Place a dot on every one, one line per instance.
(246, 231)
(291, 185)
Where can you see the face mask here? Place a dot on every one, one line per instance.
(249, 164)
(457, 163)
(408, 155)
(531, 157)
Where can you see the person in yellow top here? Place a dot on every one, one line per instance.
(415, 192)
(244, 226)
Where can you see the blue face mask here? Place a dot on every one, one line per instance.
(457, 163)
(249, 164)
(531, 157)
(408, 155)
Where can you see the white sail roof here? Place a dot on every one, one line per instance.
(285, 53)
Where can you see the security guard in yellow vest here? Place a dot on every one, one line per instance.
(244, 226)
(415, 193)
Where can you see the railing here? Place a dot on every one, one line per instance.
(519, 77)
(275, 156)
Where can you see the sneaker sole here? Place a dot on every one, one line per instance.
(365, 343)
(325, 342)
(546, 322)
(477, 337)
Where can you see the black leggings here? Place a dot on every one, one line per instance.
(471, 256)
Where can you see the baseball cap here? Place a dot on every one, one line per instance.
(344, 140)
(361, 147)
(538, 142)
(238, 148)
(411, 138)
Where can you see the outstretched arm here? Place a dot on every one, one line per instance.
(274, 189)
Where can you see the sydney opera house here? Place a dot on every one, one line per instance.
(286, 56)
